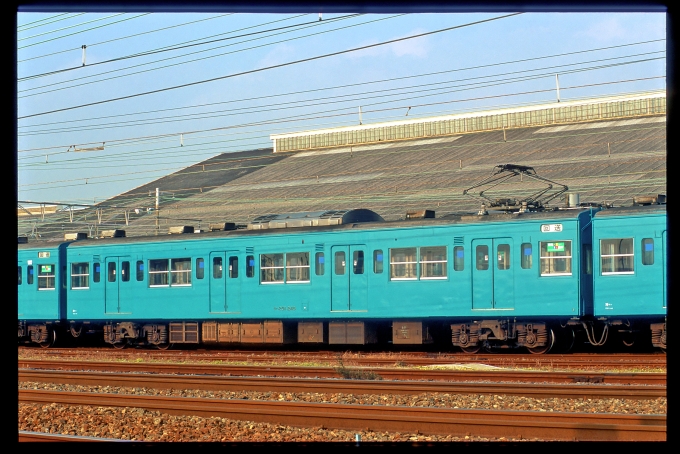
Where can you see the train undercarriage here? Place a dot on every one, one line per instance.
(537, 337)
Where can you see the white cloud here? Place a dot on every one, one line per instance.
(606, 30)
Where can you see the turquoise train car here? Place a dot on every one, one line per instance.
(631, 281)
(495, 280)
(41, 293)
(347, 277)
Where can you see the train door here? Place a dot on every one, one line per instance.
(492, 274)
(117, 271)
(225, 288)
(349, 284)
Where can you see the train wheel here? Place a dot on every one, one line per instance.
(165, 346)
(51, 339)
(628, 339)
(565, 341)
(120, 345)
(471, 350)
(545, 348)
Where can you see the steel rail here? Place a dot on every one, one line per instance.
(603, 360)
(28, 436)
(221, 383)
(330, 372)
(482, 423)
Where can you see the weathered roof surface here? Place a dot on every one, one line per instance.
(605, 161)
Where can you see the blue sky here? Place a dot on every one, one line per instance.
(507, 61)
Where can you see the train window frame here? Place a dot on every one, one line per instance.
(200, 268)
(272, 268)
(233, 267)
(80, 275)
(358, 262)
(483, 264)
(111, 271)
(503, 257)
(527, 256)
(378, 261)
(458, 258)
(434, 267)
(46, 277)
(646, 252)
(404, 264)
(547, 262)
(297, 267)
(96, 272)
(19, 274)
(159, 273)
(340, 263)
(125, 271)
(217, 267)
(180, 272)
(250, 266)
(139, 267)
(29, 275)
(620, 259)
(319, 264)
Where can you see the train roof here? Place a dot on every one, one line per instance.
(641, 210)
(372, 222)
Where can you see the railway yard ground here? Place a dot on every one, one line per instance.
(141, 395)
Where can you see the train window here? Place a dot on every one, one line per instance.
(482, 257)
(378, 261)
(80, 275)
(19, 275)
(96, 273)
(217, 268)
(320, 264)
(250, 266)
(111, 271)
(29, 274)
(433, 262)
(140, 270)
(587, 267)
(648, 251)
(200, 268)
(297, 267)
(158, 273)
(180, 271)
(125, 271)
(527, 260)
(458, 258)
(46, 277)
(403, 264)
(616, 256)
(271, 268)
(503, 256)
(340, 263)
(358, 262)
(233, 267)
(555, 258)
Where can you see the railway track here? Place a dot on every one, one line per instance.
(444, 374)
(485, 423)
(404, 359)
(221, 383)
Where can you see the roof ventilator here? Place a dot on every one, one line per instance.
(181, 229)
(659, 199)
(115, 233)
(75, 236)
(222, 226)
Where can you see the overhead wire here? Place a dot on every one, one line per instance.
(125, 37)
(311, 24)
(37, 23)
(70, 26)
(179, 47)
(268, 67)
(335, 99)
(82, 31)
